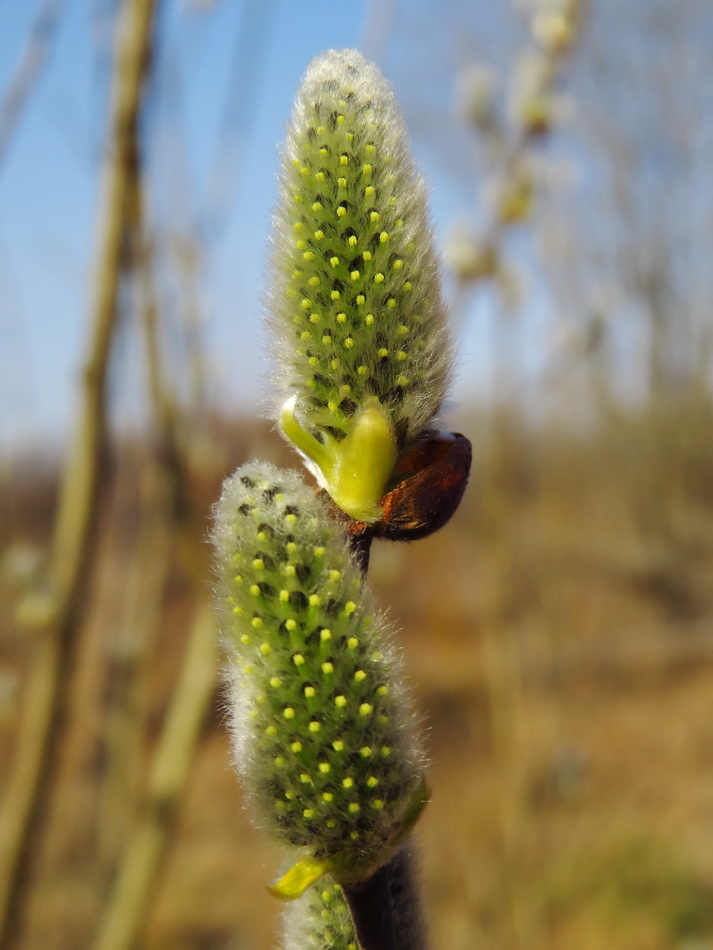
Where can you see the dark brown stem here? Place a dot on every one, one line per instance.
(386, 909)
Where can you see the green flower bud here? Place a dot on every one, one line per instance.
(356, 313)
(320, 920)
(322, 731)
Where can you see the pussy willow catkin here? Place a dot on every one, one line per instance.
(321, 727)
(355, 308)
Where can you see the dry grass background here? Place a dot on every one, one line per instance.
(558, 637)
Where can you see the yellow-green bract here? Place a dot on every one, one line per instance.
(355, 310)
(321, 726)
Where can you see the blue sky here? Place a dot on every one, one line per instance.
(50, 189)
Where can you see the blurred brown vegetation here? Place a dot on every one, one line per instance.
(557, 632)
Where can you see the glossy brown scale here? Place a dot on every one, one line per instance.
(428, 481)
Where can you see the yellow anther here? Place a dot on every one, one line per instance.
(319, 551)
(353, 807)
(362, 370)
(408, 285)
(370, 149)
(313, 281)
(338, 745)
(323, 152)
(369, 319)
(296, 746)
(254, 590)
(366, 255)
(335, 295)
(340, 121)
(352, 643)
(392, 201)
(298, 659)
(290, 624)
(271, 730)
(288, 712)
(342, 182)
(367, 168)
(334, 575)
(355, 275)
(314, 726)
(369, 191)
(328, 796)
(399, 224)
(374, 217)
(401, 356)
(318, 235)
(298, 226)
(366, 709)
(296, 162)
(325, 767)
(308, 812)
(391, 303)
(327, 667)
(314, 318)
(335, 364)
(398, 264)
(382, 691)
(359, 676)
(349, 607)
(360, 298)
(402, 330)
(320, 176)
(308, 255)
(341, 211)
(245, 639)
(238, 611)
(334, 261)
(365, 751)
(275, 682)
(384, 237)
(382, 352)
(315, 600)
(304, 778)
(290, 547)
(292, 519)
(348, 782)
(265, 649)
(258, 564)
(305, 335)
(401, 381)
(385, 751)
(349, 342)
(317, 206)
(341, 318)
(352, 240)
(326, 339)
(325, 634)
(379, 278)
(309, 692)
(304, 171)
(343, 159)
(256, 622)
(340, 701)
(377, 803)
(280, 762)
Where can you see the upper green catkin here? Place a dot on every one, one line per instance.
(320, 920)
(355, 308)
(322, 732)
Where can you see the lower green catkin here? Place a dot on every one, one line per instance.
(319, 920)
(322, 731)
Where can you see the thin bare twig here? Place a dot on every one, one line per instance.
(77, 516)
